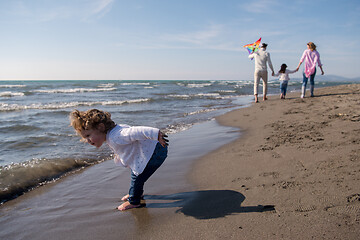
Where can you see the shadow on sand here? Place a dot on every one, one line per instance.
(206, 204)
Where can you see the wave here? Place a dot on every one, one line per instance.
(139, 84)
(175, 128)
(227, 91)
(11, 86)
(194, 85)
(201, 111)
(11, 94)
(50, 106)
(185, 96)
(198, 85)
(201, 95)
(16, 179)
(106, 85)
(19, 128)
(208, 95)
(75, 90)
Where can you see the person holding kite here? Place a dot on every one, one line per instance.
(311, 58)
(262, 58)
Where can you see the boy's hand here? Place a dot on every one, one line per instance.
(163, 139)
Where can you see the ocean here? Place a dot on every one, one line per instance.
(38, 146)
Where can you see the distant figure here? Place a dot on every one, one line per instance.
(311, 57)
(284, 79)
(261, 58)
(142, 149)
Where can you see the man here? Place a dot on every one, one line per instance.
(261, 58)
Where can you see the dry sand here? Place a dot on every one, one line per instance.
(293, 174)
(300, 155)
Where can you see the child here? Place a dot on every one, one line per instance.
(284, 78)
(142, 149)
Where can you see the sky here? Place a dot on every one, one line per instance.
(171, 40)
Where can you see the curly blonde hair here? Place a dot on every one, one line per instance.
(90, 119)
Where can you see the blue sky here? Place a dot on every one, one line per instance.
(168, 39)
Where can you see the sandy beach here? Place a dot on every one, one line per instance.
(290, 170)
(300, 155)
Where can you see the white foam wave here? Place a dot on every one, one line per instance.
(140, 84)
(106, 85)
(11, 94)
(75, 90)
(227, 91)
(200, 111)
(179, 96)
(172, 129)
(186, 96)
(50, 106)
(11, 86)
(208, 94)
(198, 85)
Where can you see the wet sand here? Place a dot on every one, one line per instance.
(293, 174)
(83, 205)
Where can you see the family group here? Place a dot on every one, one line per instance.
(310, 56)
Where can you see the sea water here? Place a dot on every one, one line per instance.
(38, 145)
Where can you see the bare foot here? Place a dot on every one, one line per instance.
(125, 198)
(126, 206)
(265, 98)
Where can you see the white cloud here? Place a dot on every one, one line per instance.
(199, 37)
(101, 7)
(95, 9)
(48, 11)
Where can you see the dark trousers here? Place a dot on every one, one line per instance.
(137, 182)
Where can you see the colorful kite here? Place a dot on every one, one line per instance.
(253, 46)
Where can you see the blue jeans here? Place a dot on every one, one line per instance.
(305, 79)
(283, 87)
(137, 182)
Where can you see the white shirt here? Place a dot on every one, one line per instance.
(284, 76)
(261, 58)
(132, 146)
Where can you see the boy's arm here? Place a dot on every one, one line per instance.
(270, 64)
(252, 54)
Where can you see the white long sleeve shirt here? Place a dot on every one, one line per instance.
(132, 146)
(261, 58)
(284, 76)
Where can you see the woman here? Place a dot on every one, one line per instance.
(311, 57)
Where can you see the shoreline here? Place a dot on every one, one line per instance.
(82, 200)
(299, 155)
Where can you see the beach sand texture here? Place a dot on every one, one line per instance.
(293, 174)
(301, 155)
